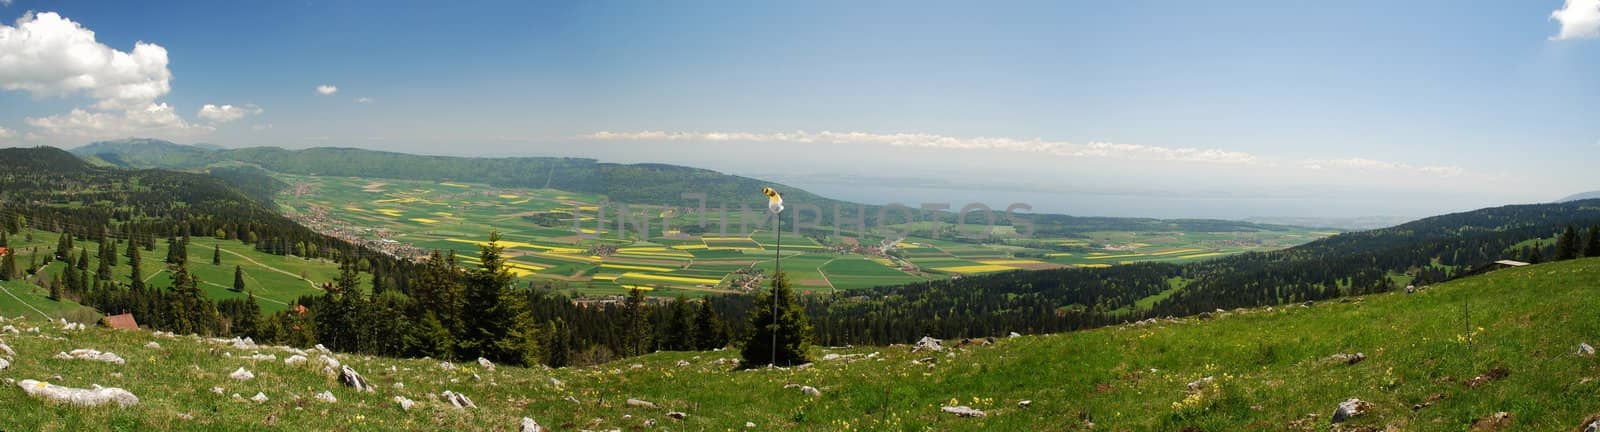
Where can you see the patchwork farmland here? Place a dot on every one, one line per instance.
(554, 238)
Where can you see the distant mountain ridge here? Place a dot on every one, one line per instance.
(643, 183)
(1580, 196)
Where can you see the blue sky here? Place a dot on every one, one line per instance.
(1160, 108)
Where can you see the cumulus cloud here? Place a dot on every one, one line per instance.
(153, 119)
(363, 100)
(327, 89)
(6, 134)
(47, 55)
(1580, 19)
(227, 113)
(1034, 145)
(1362, 164)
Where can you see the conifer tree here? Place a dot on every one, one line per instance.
(83, 259)
(636, 325)
(136, 274)
(1567, 245)
(238, 279)
(1591, 247)
(710, 332)
(8, 265)
(789, 328)
(680, 327)
(216, 254)
(500, 326)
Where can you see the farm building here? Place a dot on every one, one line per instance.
(122, 322)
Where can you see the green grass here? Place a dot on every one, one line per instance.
(275, 280)
(1271, 369)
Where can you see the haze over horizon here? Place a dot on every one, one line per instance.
(1229, 111)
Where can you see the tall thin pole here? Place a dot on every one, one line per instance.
(777, 271)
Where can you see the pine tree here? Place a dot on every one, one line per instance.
(136, 274)
(216, 255)
(103, 272)
(680, 327)
(789, 328)
(437, 290)
(238, 279)
(1567, 245)
(636, 325)
(5, 239)
(1534, 256)
(248, 320)
(8, 265)
(428, 337)
(710, 332)
(1591, 247)
(500, 326)
(55, 288)
(63, 246)
(83, 259)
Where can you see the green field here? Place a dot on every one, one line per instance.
(537, 226)
(1269, 369)
(276, 281)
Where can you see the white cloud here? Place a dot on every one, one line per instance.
(154, 119)
(363, 100)
(48, 55)
(1580, 19)
(1369, 165)
(227, 113)
(6, 3)
(1034, 145)
(6, 134)
(327, 89)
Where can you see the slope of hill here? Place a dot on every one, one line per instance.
(1444, 358)
(1581, 196)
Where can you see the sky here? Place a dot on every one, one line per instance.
(1126, 108)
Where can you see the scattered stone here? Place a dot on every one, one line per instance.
(152, 345)
(486, 364)
(1350, 408)
(262, 357)
(349, 377)
(963, 411)
(10, 329)
(682, 363)
(326, 396)
(1591, 424)
(749, 424)
(323, 349)
(1349, 358)
(636, 366)
(642, 403)
(89, 354)
(1024, 404)
(76, 396)
(4, 364)
(528, 425)
(677, 415)
(1198, 384)
(569, 398)
(555, 382)
(218, 390)
(399, 386)
(460, 401)
(447, 366)
(236, 397)
(330, 362)
(259, 397)
(1205, 315)
(294, 360)
(1493, 422)
(242, 375)
(7, 350)
(810, 391)
(1585, 350)
(405, 404)
(927, 344)
(649, 423)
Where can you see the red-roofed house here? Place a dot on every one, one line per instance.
(123, 322)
